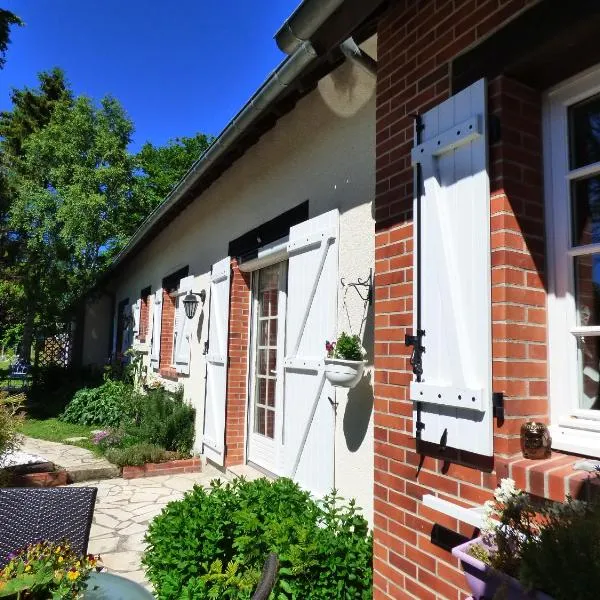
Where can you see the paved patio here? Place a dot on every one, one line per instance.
(125, 507)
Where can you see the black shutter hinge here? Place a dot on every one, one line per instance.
(498, 406)
(416, 358)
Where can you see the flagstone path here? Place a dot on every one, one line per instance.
(125, 507)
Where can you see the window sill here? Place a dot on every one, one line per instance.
(553, 478)
(169, 373)
(141, 347)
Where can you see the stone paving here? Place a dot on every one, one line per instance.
(81, 464)
(125, 507)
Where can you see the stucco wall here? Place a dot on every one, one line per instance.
(322, 151)
(96, 331)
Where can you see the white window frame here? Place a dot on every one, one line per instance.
(573, 429)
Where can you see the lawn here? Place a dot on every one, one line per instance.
(54, 430)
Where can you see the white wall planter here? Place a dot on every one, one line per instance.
(344, 373)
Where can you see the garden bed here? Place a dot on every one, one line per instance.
(171, 467)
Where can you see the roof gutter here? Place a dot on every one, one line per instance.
(304, 22)
(276, 83)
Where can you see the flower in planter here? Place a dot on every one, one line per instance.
(46, 570)
(347, 347)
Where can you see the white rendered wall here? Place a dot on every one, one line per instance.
(323, 152)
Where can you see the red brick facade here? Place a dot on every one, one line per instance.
(237, 370)
(416, 41)
(166, 335)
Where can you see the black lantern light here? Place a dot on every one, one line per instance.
(190, 303)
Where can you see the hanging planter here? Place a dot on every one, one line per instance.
(344, 373)
(345, 362)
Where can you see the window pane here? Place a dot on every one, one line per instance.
(271, 392)
(270, 431)
(585, 210)
(588, 372)
(259, 420)
(587, 291)
(584, 129)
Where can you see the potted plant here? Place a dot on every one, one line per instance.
(345, 362)
(534, 549)
(46, 570)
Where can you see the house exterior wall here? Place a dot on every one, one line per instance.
(416, 43)
(97, 331)
(322, 151)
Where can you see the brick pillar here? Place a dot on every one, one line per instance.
(519, 323)
(237, 370)
(166, 336)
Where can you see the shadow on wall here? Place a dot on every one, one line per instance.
(359, 407)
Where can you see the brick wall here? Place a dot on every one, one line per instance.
(415, 43)
(144, 315)
(237, 371)
(166, 335)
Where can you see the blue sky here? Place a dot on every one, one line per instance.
(177, 67)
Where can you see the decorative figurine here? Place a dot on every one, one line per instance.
(535, 440)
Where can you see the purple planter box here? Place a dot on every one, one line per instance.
(484, 581)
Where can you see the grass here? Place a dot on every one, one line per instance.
(54, 430)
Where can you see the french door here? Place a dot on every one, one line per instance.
(266, 386)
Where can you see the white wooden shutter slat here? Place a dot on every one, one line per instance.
(311, 319)
(136, 317)
(183, 325)
(216, 363)
(156, 328)
(455, 393)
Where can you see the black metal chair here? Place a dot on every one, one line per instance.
(31, 514)
(269, 576)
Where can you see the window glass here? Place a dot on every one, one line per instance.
(584, 126)
(585, 211)
(588, 372)
(587, 289)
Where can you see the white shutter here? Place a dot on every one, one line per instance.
(136, 318)
(183, 328)
(156, 327)
(216, 362)
(455, 395)
(308, 436)
(126, 335)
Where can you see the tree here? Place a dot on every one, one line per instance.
(7, 19)
(71, 195)
(161, 167)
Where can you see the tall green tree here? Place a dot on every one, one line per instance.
(160, 168)
(7, 20)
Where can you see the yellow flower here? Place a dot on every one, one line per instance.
(27, 568)
(72, 575)
(60, 559)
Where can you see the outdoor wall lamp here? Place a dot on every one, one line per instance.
(190, 303)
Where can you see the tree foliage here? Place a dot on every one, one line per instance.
(7, 20)
(71, 194)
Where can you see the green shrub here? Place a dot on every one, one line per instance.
(139, 454)
(53, 388)
(564, 559)
(213, 544)
(164, 419)
(108, 405)
(9, 422)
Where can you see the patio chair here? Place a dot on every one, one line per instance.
(31, 514)
(19, 371)
(269, 575)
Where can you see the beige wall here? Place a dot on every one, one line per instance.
(322, 151)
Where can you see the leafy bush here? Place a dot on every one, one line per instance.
(213, 544)
(564, 559)
(108, 405)
(9, 430)
(347, 347)
(164, 419)
(139, 454)
(53, 388)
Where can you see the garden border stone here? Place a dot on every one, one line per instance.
(171, 467)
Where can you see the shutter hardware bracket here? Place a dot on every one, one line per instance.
(416, 341)
(498, 406)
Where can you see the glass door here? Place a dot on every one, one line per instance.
(266, 386)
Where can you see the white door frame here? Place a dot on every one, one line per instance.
(260, 450)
